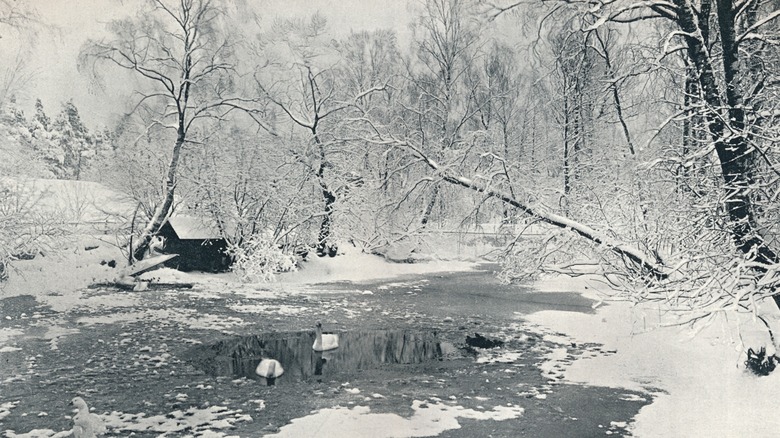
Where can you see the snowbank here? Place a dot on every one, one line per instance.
(698, 381)
(74, 267)
(355, 266)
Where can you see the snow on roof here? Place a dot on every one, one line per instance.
(195, 227)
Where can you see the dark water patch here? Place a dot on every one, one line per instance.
(452, 293)
(357, 350)
(20, 308)
(111, 286)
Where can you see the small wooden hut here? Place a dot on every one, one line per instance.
(198, 242)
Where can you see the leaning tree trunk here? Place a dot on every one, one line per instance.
(640, 261)
(163, 210)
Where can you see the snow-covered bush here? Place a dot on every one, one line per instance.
(27, 228)
(259, 258)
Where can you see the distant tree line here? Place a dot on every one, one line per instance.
(61, 148)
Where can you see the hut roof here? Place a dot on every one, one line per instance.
(195, 227)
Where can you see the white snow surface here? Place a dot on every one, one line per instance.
(429, 419)
(697, 380)
(354, 266)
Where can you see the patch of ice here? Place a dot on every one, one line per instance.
(429, 419)
(187, 317)
(38, 433)
(194, 420)
(498, 356)
(589, 287)
(8, 349)
(55, 331)
(281, 309)
(6, 334)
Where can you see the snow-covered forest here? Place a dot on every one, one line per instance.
(640, 134)
(632, 142)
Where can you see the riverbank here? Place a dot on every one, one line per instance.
(696, 375)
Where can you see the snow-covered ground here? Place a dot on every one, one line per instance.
(696, 376)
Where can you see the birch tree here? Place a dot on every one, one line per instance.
(304, 82)
(447, 39)
(181, 52)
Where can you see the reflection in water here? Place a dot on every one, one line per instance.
(239, 357)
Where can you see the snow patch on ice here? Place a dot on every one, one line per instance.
(5, 408)
(193, 420)
(553, 361)
(498, 356)
(7, 334)
(429, 419)
(281, 309)
(187, 317)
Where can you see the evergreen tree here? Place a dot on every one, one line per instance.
(75, 141)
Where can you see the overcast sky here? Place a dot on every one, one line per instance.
(69, 23)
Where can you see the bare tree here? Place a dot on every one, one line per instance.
(314, 100)
(15, 15)
(183, 54)
(726, 93)
(445, 49)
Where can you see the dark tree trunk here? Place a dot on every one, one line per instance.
(613, 85)
(566, 147)
(324, 246)
(429, 208)
(731, 145)
(688, 140)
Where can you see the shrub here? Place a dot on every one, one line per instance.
(259, 258)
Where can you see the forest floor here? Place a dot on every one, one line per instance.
(180, 361)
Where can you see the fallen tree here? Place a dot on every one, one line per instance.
(645, 264)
